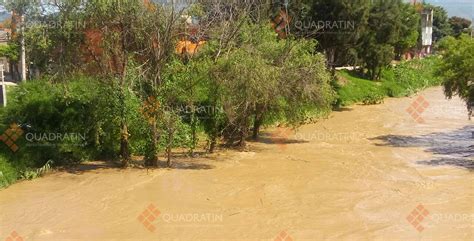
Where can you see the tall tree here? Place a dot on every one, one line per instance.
(275, 79)
(223, 22)
(117, 24)
(459, 25)
(337, 25)
(19, 9)
(409, 29)
(383, 33)
(457, 68)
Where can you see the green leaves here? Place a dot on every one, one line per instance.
(10, 51)
(409, 27)
(459, 25)
(457, 68)
(263, 79)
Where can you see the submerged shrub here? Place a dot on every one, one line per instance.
(373, 99)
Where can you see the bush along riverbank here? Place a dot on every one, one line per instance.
(403, 79)
(81, 122)
(192, 104)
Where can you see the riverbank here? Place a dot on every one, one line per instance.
(405, 79)
(354, 176)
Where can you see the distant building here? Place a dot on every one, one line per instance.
(426, 15)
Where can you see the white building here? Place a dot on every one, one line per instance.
(426, 30)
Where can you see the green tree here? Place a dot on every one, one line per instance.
(383, 33)
(52, 40)
(186, 88)
(337, 25)
(409, 29)
(459, 25)
(457, 68)
(11, 51)
(117, 23)
(275, 79)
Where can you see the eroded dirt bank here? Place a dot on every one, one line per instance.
(354, 176)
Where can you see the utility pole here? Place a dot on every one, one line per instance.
(4, 87)
(23, 51)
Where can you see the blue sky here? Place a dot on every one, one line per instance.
(461, 8)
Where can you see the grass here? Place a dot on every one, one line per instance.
(8, 173)
(405, 79)
(357, 89)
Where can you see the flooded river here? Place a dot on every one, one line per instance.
(365, 173)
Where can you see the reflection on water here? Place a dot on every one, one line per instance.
(455, 148)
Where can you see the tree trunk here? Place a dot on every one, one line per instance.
(214, 130)
(257, 122)
(124, 144)
(154, 141)
(330, 56)
(15, 71)
(242, 142)
(168, 148)
(371, 73)
(152, 159)
(212, 145)
(171, 129)
(256, 129)
(124, 150)
(193, 130)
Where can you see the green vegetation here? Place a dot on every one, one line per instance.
(457, 68)
(403, 79)
(459, 25)
(360, 33)
(109, 80)
(8, 173)
(132, 95)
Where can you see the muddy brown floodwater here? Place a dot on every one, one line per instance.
(357, 175)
